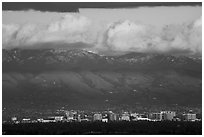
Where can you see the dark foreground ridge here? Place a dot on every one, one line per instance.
(111, 128)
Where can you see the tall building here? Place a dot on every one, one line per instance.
(75, 116)
(97, 117)
(168, 115)
(79, 118)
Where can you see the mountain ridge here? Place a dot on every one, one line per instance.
(83, 59)
(60, 77)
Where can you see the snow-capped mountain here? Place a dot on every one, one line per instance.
(67, 59)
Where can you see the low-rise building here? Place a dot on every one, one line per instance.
(71, 115)
(189, 117)
(176, 119)
(125, 116)
(14, 119)
(97, 117)
(134, 116)
(49, 119)
(155, 116)
(59, 118)
(112, 117)
(40, 120)
(25, 120)
(168, 115)
(104, 119)
(143, 118)
(85, 119)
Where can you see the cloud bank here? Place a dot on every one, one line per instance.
(120, 36)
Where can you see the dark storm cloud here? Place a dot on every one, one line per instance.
(74, 6)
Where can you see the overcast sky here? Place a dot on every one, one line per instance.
(144, 28)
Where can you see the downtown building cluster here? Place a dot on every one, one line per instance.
(109, 116)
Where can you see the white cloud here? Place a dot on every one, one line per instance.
(120, 36)
(71, 28)
(8, 33)
(130, 36)
(185, 37)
